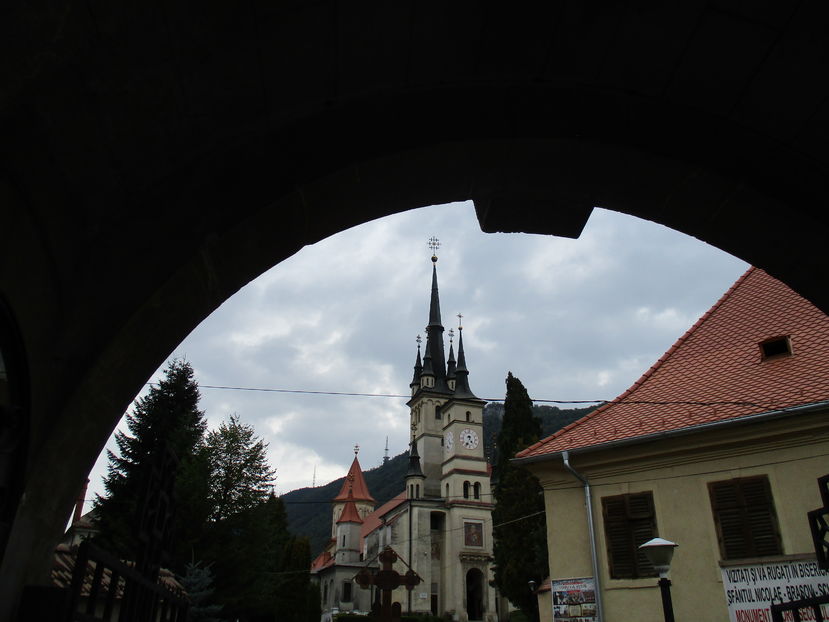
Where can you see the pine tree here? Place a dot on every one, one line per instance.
(168, 414)
(519, 523)
(198, 583)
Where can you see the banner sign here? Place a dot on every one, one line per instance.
(751, 588)
(574, 600)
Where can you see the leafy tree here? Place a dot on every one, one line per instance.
(519, 524)
(168, 414)
(239, 477)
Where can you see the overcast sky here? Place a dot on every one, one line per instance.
(573, 319)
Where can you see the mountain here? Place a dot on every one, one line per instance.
(309, 509)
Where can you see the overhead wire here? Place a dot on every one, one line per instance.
(601, 401)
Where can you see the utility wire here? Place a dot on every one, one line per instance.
(490, 399)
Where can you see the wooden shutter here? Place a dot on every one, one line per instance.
(745, 518)
(629, 521)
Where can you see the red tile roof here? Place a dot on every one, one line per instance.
(323, 560)
(355, 478)
(373, 520)
(350, 513)
(715, 371)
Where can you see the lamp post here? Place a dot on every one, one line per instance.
(659, 552)
(532, 584)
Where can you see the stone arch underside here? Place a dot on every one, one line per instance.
(222, 147)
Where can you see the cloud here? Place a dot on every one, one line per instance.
(573, 319)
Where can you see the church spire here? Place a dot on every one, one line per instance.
(434, 331)
(418, 368)
(462, 382)
(450, 364)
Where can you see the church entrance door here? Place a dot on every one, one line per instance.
(475, 594)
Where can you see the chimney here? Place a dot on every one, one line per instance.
(79, 503)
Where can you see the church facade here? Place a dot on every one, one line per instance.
(441, 524)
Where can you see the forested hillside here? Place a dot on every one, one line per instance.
(309, 509)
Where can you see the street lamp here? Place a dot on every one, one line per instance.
(659, 552)
(532, 584)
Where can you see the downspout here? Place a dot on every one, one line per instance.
(591, 529)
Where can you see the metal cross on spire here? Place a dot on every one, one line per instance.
(451, 334)
(460, 321)
(434, 245)
(356, 449)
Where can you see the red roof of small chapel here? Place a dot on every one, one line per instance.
(354, 479)
(716, 370)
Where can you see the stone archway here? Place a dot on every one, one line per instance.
(475, 594)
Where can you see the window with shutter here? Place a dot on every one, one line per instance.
(745, 518)
(629, 521)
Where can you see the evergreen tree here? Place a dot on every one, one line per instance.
(518, 518)
(239, 477)
(168, 414)
(198, 583)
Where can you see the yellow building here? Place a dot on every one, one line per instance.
(717, 447)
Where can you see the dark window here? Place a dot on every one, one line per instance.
(417, 491)
(466, 490)
(437, 412)
(447, 491)
(778, 346)
(629, 521)
(745, 518)
(347, 591)
(468, 415)
(476, 490)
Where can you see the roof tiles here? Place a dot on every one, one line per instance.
(716, 371)
(356, 482)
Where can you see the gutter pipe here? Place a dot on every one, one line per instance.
(591, 529)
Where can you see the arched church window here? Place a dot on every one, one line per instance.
(417, 491)
(468, 416)
(447, 491)
(343, 540)
(466, 490)
(476, 490)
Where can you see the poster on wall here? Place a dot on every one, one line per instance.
(574, 600)
(751, 588)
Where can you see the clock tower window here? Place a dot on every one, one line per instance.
(476, 490)
(466, 490)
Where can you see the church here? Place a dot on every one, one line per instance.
(440, 525)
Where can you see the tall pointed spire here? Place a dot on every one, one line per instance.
(434, 331)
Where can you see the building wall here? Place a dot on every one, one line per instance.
(791, 452)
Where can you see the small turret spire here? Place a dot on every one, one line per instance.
(450, 364)
(462, 373)
(418, 367)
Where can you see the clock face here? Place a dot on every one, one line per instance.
(468, 438)
(449, 441)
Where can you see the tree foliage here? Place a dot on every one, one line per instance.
(198, 583)
(168, 414)
(239, 477)
(518, 518)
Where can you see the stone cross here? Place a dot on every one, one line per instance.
(387, 579)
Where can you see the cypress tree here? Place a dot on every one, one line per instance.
(169, 413)
(518, 518)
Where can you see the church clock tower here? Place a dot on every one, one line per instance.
(449, 510)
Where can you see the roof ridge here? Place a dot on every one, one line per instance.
(648, 373)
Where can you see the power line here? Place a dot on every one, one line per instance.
(490, 399)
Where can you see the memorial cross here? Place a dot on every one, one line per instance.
(386, 580)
